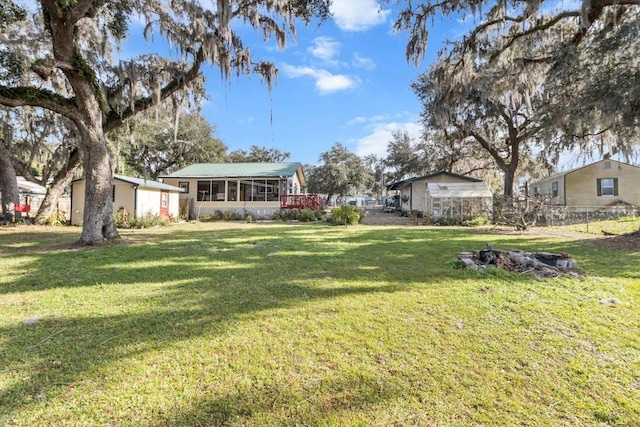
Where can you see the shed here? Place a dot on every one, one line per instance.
(457, 199)
(412, 191)
(138, 196)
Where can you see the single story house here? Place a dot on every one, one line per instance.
(136, 196)
(444, 193)
(241, 189)
(604, 183)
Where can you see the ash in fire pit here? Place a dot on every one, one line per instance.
(541, 264)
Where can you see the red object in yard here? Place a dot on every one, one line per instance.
(301, 201)
(23, 208)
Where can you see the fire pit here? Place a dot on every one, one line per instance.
(540, 264)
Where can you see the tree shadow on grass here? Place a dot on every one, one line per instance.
(300, 401)
(200, 283)
(58, 352)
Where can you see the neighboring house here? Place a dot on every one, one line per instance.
(135, 196)
(604, 183)
(31, 195)
(241, 189)
(444, 194)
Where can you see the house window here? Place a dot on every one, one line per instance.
(184, 186)
(273, 187)
(554, 189)
(607, 165)
(607, 186)
(232, 191)
(536, 191)
(164, 200)
(204, 191)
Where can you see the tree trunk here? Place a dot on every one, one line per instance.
(97, 222)
(509, 177)
(55, 190)
(8, 182)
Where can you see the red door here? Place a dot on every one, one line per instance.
(164, 204)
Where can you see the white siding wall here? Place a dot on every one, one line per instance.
(125, 196)
(174, 204)
(148, 202)
(545, 188)
(77, 202)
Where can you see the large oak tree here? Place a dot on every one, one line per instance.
(72, 39)
(591, 48)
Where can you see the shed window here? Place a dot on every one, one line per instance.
(607, 165)
(607, 186)
(554, 189)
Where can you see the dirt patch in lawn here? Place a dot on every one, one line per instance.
(624, 242)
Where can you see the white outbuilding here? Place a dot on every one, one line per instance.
(136, 196)
(457, 199)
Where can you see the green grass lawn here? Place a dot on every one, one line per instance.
(307, 324)
(621, 225)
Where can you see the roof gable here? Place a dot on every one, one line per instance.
(561, 175)
(459, 189)
(399, 184)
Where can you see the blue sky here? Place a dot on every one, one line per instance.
(346, 81)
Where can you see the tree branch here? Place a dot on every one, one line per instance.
(22, 96)
(114, 120)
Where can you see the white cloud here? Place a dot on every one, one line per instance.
(325, 81)
(357, 120)
(246, 120)
(358, 15)
(381, 133)
(362, 62)
(325, 48)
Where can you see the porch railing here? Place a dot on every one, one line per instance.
(301, 201)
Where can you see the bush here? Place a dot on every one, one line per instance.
(151, 220)
(57, 219)
(477, 221)
(346, 215)
(148, 220)
(206, 217)
(287, 214)
(444, 221)
(307, 215)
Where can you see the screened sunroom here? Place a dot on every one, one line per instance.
(458, 199)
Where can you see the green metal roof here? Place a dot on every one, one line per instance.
(236, 170)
